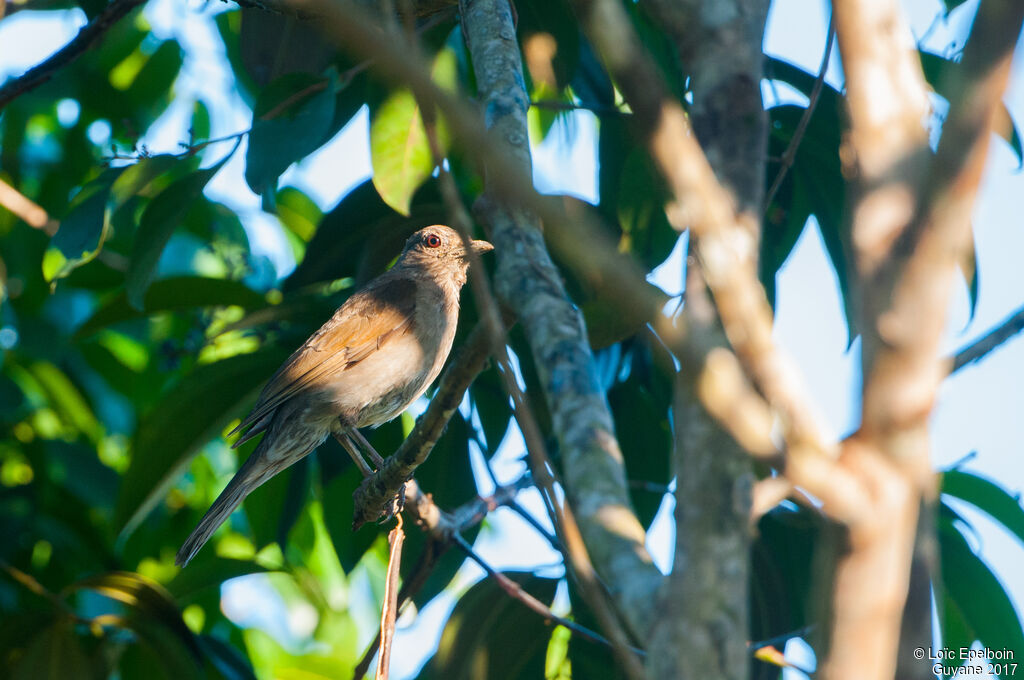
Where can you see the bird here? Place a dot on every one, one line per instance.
(374, 357)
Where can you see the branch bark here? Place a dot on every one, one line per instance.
(704, 606)
(528, 282)
(910, 224)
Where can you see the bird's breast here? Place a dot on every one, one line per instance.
(386, 382)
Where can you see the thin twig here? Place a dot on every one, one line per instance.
(555, 105)
(1006, 329)
(387, 618)
(424, 567)
(89, 34)
(812, 102)
(516, 591)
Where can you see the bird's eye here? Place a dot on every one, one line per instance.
(433, 240)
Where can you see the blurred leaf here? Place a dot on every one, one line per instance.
(643, 430)
(229, 662)
(490, 636)
(172, 294)
(784, 571)
(945, 74)
(291, 119)
(988, 497)
(399, 149)
(83, 231)
(557, 19)
(641, 197)
(173, 431)
(790, 208)
(209, 571)
(275, 506)
(337, 500)
(298, 212)
(591, 83)
(154, 614)
(163, 214)
(974, 598)
(492, 406)
(54, 654)
(362, 235)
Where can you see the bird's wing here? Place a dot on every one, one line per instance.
(381, 311)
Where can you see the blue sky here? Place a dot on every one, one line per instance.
(979, 409)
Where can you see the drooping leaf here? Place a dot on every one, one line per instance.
(161, 217)
(291, 119)
(988, 497)
(83, 231)
(174, 430)
(152, 612)
(399, 148)
(976, 600)
(171, 294)
(490, 636)
(644, 433)
(54, 654)
(361, 235)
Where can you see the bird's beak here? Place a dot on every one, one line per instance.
(480, 247)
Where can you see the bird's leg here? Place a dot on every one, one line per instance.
(398, 502)
(353, 451)
(367, 446)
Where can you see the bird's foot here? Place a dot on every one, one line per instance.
(395, 506)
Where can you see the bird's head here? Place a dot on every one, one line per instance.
(438, 248)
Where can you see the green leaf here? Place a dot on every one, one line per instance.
(291, 119)
(557, 19)
(229, 662)
(163, 214)
(173, 294)
(208, 571)
(988, 497)
(974, 600)
(643, 430)
(83, 231)
(174, 430)
(337, 500)
(148, 602)
(399, 149)
(54, 654)
(298, 212)
(362, 235)
(492, 406)
(490, 635)
(640, 206)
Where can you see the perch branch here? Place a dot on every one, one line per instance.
(377, 490)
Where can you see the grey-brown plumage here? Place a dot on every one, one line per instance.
(372, 359)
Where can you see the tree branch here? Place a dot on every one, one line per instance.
(89, 34)
(911, 223)
(526, 279)
(704, 607)
(27, 210)
(977, 350)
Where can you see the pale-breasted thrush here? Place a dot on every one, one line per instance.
(372, 359)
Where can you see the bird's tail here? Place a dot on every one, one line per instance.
(241, 485)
